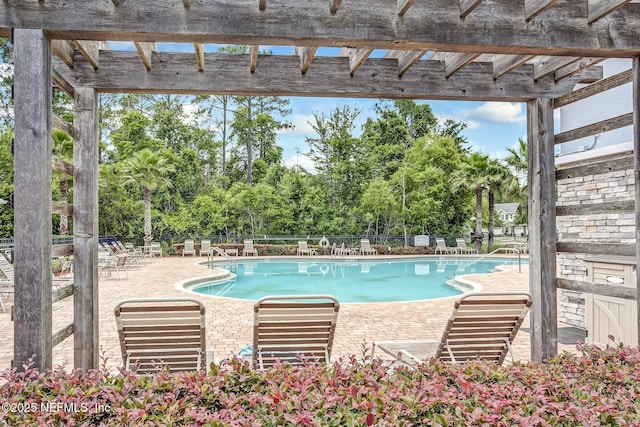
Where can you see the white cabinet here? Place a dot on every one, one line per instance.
(611, 316)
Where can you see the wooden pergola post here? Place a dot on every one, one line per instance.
(542, 229)
(85, 229)
(32, 198)
(635, 70)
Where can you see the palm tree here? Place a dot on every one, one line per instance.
(498, 177)
(473, 176)
(518, 161)
(147, 169)
(62, 148)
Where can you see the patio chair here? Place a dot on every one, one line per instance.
(156, 249)
(294, 329)
(366, 249)
(6, 282)
(107, 263)
(249, 249)
(441, 247)
(109, 248)
(482, 326)
(66, 266)
(463, 248)
(7, 270)
(160, 332)
(189, 248)
(304, 249)
(205, 245)
(343, 250)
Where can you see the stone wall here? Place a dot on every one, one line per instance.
(608, 187)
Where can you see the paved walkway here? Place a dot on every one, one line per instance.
(229, 321)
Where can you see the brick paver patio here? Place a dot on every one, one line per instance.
(229, 321)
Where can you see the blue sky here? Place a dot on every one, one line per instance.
(492, 127)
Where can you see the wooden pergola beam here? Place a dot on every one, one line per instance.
(356, 57)
(467, 6)
(406, 58)
(199, 51)
(546, 65)
(598, 9)
(64, 126)
(403, 6)
(498, 29)
(533, 8)
(595, 128)
(503, 64)
(61, 166)
(280, 75)
(306, 57)
(145, 50)
(64, 50)
(90, 50)
(253, 55)
(575, 67)
(453, 62)
(334, 6)
(594, 88)
(61, 83)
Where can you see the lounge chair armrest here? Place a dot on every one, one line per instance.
(404, 353)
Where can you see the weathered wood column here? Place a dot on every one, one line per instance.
(32, 199)
(85, 229)
(636, 155)
(542, 229)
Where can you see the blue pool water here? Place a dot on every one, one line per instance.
(349, 281)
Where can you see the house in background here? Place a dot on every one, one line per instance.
(506, 213)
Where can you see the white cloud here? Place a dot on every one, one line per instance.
(497, 112)
(301, 125)
(471, 124)
(190, 111)
(300, 160)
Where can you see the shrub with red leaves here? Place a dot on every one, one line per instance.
(596, 387)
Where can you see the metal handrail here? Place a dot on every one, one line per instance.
(220, 252)
(475, 261)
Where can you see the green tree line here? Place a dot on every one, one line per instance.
(211, 167)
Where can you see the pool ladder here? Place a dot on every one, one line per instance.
(216, 250)
(462, 268)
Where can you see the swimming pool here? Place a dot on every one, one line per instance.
(349, 281)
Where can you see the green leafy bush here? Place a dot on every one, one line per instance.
(593, 388)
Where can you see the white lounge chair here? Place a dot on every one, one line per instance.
(441, 247)
(189, 248)
(293, 329)
(249, 249)
(304, 249)
(366, 249)
(156, 249)
(482, 326)
(205, 245)
(463, 248)
(168, 332)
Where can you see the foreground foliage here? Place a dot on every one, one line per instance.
(596, 387)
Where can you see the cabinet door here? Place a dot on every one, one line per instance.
(611, 316)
